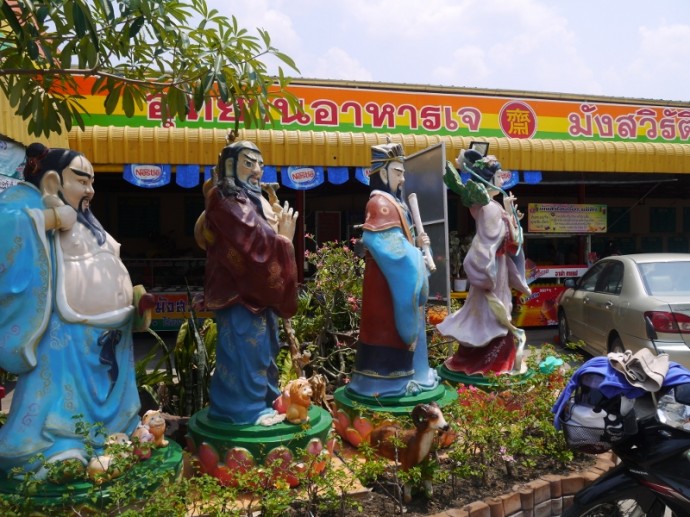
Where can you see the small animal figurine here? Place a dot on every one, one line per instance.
(102, 468)
(142, 434)
(318, 388)
(142, 440)
(427, 419)
(296, 400)
(155, 423)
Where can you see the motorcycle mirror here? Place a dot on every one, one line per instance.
(682, 392)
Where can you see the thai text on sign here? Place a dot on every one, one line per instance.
(566, 218)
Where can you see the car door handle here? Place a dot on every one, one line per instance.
(608, 304)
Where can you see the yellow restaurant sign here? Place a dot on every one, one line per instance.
(566, 218)
(454, 112)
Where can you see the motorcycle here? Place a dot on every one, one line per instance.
(649, 432)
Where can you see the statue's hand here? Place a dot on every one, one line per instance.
(509, 201)
(68, 216)
(61, 217)
(287, 219)
(143, 308)
(146, 303)
(423, 240)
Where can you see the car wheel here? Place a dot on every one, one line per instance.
(563, 330)
(616, 346)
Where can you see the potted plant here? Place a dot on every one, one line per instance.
(458, 247)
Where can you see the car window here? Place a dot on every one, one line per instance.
(611, 279)
(589, 280)
(666, 277)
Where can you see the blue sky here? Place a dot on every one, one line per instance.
(620, 48)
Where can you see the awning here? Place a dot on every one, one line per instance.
(109, 148)
(153, 175)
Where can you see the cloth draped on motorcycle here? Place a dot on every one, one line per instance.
(614, 384)
(642, 369)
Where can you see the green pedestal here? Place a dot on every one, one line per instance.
(403, 405)
(221, 446)
(140, 481)
(478, 380)
(357, 414)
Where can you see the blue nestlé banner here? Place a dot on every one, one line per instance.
(302, 178)
(147, 175)
(187, 176)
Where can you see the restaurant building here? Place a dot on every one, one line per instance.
(569, 155)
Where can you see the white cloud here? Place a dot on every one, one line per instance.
(466, 67)
(336, 63)
(662, 61)
(616, 47)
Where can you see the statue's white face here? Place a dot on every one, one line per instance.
(394, 175)
(77, 183)
(250, 169)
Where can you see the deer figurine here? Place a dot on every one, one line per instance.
(417, 442)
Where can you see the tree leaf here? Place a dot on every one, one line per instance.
(15, 95)
(41, 14)
(207, 83)
(98, 85)
(66, 54)
(136, 26)
(287, 60)
(32, 48)
(111, 100)
(79, 20)
(10, 16)
(91, 56)
(65, 115)
(127, 101)
(107, 9)
(149, 45)
(223, 90)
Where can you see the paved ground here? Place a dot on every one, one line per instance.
(540, 335)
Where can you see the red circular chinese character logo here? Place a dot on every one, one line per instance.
(517, 120)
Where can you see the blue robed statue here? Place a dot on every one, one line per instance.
(68, 312)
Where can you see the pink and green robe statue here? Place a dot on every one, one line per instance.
(392, 358)
(67, 317)
(495, 264)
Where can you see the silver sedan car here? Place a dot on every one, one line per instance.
(629, 302)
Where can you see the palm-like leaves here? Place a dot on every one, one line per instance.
(134, 49)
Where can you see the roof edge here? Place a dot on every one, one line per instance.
(115, 146)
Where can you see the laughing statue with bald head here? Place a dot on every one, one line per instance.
(68, 313)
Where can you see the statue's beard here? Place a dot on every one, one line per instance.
(86, 217)
(231, 185)
(398, 193)
(256, 189)
(254, 194)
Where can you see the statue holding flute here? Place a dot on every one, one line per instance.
(488, 341)
(392, 357)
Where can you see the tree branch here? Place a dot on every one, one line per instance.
(93, 72)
